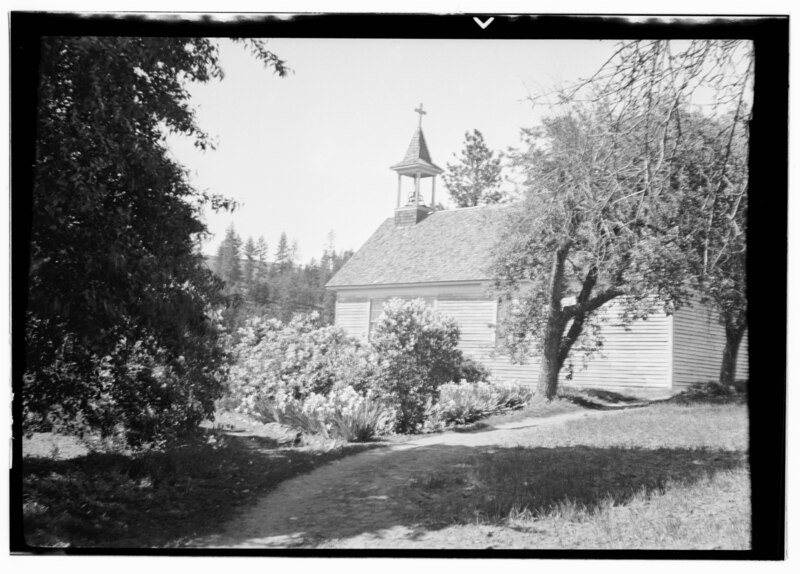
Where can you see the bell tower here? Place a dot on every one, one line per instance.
(416, 165)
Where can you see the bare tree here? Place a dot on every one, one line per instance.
(619, 204)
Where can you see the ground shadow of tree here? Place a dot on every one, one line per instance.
(491, 483)
(429, 488)
(119, 501)
(156, 498)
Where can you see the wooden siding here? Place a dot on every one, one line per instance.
(353, 317)
(637, 357)
(502, 367)
(634, 358)
(476, 320)
(698, 342)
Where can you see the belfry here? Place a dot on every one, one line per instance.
(416, 164)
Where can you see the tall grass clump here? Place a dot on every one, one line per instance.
(463, 403)
(343, 414)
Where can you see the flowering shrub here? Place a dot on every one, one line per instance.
(322, 381)
(461, 403)
(295, 361)
(344, 413)
(417, 351)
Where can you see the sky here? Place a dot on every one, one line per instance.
(311, 153)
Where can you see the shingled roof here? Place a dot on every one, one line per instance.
(448, 245)
(417, 153)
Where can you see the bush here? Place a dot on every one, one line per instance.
(322, 381)
(368, 419)
(343, 414)
(472, 371)
(711, 392)
(417, 350)
(138, 392)
(298, 359)
(462, 403)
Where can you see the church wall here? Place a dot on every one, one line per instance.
(699, 340)
(634, 356)
(353, 317)
(656, 353)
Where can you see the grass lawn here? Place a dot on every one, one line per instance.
(665, 476)
(568, 401)
(76, 498)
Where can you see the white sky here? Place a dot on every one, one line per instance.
(310, 153)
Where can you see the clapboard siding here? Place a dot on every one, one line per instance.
(503, 368)
(638, 356)
(353, 317)
(476, 319)
(698, 343)
(657, 353)
(634, 356)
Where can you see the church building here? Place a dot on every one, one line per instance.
(444, 257)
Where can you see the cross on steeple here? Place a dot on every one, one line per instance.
(421, 113)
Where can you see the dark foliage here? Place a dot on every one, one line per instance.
(118, 328)
(156, 499)
(472, 371)
(277, 289)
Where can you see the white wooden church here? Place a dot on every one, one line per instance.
(444, 256)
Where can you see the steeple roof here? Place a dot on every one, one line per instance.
(417, 149)
(418, 156)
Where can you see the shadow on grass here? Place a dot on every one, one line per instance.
(604, 400)
(611, 396)
(493, 483)
(430, 488)
(168, 499)
(588, 403)
(156, 499)
(473, 427)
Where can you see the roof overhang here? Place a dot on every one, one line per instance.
(422, 169)
(403, 285)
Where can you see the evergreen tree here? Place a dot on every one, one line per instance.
(229, 254)
(250, 254)
(476, 178)
(283, 256)
(261, 259)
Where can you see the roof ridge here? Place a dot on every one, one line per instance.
(484, 206)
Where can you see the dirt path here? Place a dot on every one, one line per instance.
(357, 501)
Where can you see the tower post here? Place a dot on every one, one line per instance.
(399, 185)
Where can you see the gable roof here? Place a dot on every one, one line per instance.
(448, 245)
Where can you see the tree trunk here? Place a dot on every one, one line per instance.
(734, 331)
(547, 384)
